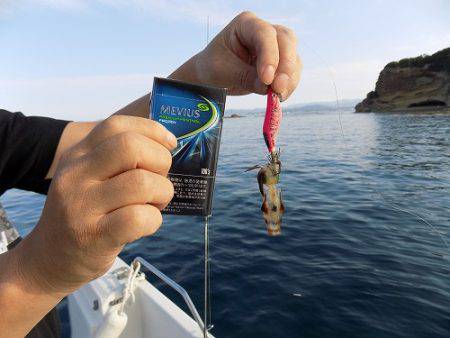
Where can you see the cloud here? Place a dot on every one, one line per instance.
(77, 98)
(91, 81)
(352, 79)
(197, 11)
(5, 8)
(9, 7)
(190, 10)
(63, 4)
(194, 10)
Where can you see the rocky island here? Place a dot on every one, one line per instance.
(420, 83)
(233, 116)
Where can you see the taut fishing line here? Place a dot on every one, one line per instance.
(207, 315)
(207, 326)
(383, 199)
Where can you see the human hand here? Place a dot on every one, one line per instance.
(107, 191)
(247, 56)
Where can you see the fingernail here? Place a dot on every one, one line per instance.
(268, 74)
(171, 139)
(282, 82)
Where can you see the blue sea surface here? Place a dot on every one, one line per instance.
(354, 259)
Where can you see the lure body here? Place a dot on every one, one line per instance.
(272, 120)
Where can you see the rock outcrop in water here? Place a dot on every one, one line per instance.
(420, 83)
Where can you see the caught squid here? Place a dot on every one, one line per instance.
(269, 175)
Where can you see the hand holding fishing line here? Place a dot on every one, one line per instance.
(247, 56)
(251, 55)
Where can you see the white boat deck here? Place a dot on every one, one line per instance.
(151, 315)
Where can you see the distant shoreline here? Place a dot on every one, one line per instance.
(233, 116)
(431, 110)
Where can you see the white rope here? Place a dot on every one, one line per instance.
(129, 287)
(3, 242)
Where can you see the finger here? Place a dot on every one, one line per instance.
(247, 80)
(260, 37)
(121, 123)
(127, 224)
(124, 152)
(294, 80)
(136, 186)
(287, 66)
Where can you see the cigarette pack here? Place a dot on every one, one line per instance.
(194, 114)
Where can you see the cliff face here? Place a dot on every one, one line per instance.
(421, 82)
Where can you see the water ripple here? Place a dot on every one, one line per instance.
(359, 267)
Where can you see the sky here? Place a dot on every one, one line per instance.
(84, 59)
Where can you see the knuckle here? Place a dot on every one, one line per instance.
(57, 186)
(286, 31)
(166, 160)
(71, 155)
(171, 190)
(128, 141)
(66, 156)
(244, 78)
(114, 123)
(62, 179)
(246, 15)
(157, 221)
(106, 231)
(138, 215)
(216, 62)
(299, 62)
(140, 179)
(156, 125)
(265, 30)
(290, 63)
(269, 29)
(84, 237)
(146, 183)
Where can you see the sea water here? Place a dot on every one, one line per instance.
(358, 267)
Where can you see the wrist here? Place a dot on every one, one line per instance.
(28, 269)
(23, 303)
(189, 71)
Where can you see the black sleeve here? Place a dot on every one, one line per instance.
(27, 148)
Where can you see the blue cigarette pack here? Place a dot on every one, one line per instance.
(194, 114)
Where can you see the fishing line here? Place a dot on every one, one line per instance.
(331, 74)
(433, 228)
(207, 283)
(207, 317)
(383, 198)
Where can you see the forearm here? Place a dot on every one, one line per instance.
(23, 305)
(139, 107)
(187, 71)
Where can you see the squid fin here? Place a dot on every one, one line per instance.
(265, 205)
(281, 203)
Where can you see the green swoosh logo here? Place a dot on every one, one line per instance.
(208, 124)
